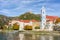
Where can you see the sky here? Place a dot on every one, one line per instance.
(18, 7)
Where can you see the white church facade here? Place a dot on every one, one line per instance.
(43, 18)
(46, 26)
(47, 22)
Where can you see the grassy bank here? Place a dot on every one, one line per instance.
(43, 32)
(34, 32)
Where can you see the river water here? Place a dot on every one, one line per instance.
(25, 36)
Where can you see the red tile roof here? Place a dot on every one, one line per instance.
(51, 18)
(34, 21)
(27, 21)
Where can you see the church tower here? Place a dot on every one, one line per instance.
(43, 18)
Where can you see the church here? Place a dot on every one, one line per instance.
(47, 22)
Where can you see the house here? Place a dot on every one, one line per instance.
(50, 20)
(23, 23)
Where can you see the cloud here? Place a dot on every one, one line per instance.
(5, 11)
(17, 4)
(29, 4)
(8, 12)
(9, 7)
(50, 9)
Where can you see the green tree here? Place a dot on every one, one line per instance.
(29, 16)
(3, 21)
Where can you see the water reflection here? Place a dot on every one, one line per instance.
(45, 37)
(23, 36)
(2, 36)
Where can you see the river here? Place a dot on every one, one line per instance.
(26, 36)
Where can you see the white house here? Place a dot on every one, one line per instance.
(21, 23)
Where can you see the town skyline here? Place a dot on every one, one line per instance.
(18, 7)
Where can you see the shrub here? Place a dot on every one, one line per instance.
(5, 27)
(56, 28)
(37, 27)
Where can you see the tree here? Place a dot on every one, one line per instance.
(37, 27)
(56, 28)
(29, 16)
(15, 26)
(3, 21)
(57, 20)
(27, 27)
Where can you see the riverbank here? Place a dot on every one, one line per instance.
(42, 32)
(33, 32)
(9, 31)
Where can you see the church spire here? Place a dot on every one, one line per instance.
(43, 18)
(43, 9)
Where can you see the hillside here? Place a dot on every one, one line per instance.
(3, 20)
(29, 16)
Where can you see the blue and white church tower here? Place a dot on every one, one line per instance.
(43, 18)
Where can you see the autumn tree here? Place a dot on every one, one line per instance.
(57, 20)
(15, 26)
(27, 27)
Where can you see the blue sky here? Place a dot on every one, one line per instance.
(18, 7)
